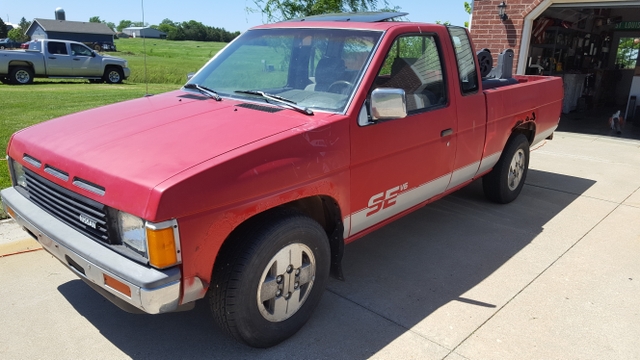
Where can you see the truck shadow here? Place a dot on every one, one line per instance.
(396, 277)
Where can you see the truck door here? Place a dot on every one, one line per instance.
(57, 59)
(470, 107)
(397, 164)
(84, 61)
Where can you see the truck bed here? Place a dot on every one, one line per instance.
(538, 98)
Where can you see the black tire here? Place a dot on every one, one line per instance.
(113, 75)
(21, 75)
(504, 183)
(246, 278)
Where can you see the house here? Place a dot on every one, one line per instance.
(146, 32)
(97, 35)
(593, 46)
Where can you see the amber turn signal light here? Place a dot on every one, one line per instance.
(116, 285)
(162, 247)
(10, 212)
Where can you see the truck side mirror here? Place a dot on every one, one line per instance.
(388, 103)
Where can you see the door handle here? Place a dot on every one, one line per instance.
(76, 59)
(445, 133)
(52, 57)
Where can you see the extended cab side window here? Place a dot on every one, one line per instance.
(414, 65)
(466, 60)
(57, 48)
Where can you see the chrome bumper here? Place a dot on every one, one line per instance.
(152, 291)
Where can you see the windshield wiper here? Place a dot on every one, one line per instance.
(205, 90)
(282, 100)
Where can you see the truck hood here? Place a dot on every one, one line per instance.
(130, 147)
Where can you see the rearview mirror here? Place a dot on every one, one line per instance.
(388, 103)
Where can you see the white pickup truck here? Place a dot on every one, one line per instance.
(60, 59)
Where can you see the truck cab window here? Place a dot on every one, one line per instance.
(57, 48)
(466, 60)
(79, 50)
(413, 64)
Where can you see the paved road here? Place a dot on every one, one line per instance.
(554, 275)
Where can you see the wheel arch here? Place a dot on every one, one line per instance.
(528, 129)
(16, 63)
(323, 209)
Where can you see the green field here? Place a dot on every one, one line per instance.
(168, 63)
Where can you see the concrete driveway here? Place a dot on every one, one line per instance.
(554, 275)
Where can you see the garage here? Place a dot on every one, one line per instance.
(593, 46)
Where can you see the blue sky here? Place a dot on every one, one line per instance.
(229, 14)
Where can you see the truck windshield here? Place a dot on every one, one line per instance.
(314, 68)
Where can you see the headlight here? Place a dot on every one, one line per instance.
(158, 242)
(132, 232)
(126, 64)
(19, 177)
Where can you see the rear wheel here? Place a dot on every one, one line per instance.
(270, 278)
(504, 183)
(113, 75)
(21, 75)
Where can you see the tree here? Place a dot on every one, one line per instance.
(3, 29)
(17, 35)
(166, 26)
(95, 19)
(111, 25)
(24, 26)
(278, 10)
(123, 25)
(468, 8)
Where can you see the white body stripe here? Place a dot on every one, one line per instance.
(359, 220)
(347, 226)
(461, 175)
(543, 135)
(405, 200)
(488, 162)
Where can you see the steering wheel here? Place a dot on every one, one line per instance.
(340, 87)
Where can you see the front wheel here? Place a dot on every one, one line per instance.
(504, 183)
(113, 75)
(269, 278)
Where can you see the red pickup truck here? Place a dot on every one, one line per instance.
(244, 186)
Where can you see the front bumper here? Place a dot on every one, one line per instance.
(127, 72)
(152, 291)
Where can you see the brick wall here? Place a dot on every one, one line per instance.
(488, 31)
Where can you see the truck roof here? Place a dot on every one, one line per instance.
(353, 17)
(368, 20)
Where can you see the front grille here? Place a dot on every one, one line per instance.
(75, 210)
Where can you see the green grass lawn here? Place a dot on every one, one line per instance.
(168, 63)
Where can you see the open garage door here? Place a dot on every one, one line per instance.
(594, 46)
